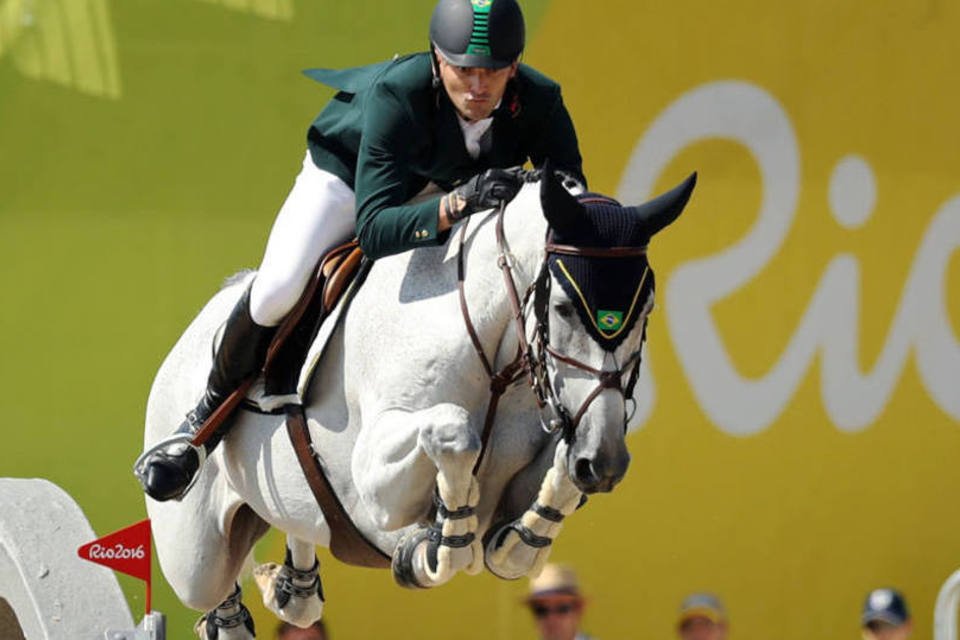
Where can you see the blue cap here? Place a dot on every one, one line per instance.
(885, 605)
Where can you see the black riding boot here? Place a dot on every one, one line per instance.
(168, 473)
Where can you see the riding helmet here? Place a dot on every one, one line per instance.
(478, 33)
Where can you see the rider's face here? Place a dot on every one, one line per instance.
(475, 91)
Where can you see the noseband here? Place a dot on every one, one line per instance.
(531, 360)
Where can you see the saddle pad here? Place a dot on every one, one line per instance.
(307, 328)
(327, 327)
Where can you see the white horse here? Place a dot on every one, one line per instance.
(398, 404)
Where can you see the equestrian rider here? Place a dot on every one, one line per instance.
(454, 118)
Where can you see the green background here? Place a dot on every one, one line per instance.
(120, 215)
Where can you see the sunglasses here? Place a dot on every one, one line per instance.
(542, 611)
(879, 625)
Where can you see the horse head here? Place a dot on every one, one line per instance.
(591, 302)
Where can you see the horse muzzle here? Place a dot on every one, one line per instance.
(599, 473)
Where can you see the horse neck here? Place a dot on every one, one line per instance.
(524, 229)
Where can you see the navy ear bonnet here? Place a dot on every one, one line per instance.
(609, 293)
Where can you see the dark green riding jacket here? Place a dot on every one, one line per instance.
(388, 132)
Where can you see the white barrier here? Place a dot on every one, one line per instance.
(945, 611)
(50, 593)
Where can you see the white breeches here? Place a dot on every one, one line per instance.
(318, 214)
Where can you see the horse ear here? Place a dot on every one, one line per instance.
(664, 209)
(564, 213)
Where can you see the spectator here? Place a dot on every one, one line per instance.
(316, 631)
(885, 616)
(557, 604)
(702, 617)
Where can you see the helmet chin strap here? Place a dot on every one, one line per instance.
(435, 82)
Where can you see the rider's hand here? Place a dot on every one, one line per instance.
(483, 191)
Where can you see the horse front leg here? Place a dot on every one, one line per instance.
(293, 591)
(411, 462)
(521, 547)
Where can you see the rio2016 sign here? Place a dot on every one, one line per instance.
(117, 552)
(748, 115)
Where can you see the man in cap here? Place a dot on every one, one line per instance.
(702, 617)
(453, 119)
(885, 616)
(556, 603)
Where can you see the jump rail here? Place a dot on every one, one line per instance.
(945, 611)
(47, 592)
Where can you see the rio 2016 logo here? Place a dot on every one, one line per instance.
(829, 328)
(117, 551)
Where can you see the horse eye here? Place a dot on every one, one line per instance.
(563, 309)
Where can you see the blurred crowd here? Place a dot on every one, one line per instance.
(557, 605)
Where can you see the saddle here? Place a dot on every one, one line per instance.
(334, 274)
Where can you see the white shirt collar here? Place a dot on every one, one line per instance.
(473, 132)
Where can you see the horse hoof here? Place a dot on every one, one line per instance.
(403, 558)
(495, 549)
(289, 601)
(509, 556)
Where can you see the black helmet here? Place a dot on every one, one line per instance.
(478, 33)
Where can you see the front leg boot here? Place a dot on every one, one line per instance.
(431, 555)
(293, 595)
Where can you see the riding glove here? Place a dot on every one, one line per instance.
(483, 191)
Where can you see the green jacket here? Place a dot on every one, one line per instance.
(388, 132)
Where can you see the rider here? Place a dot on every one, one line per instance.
(455, 118)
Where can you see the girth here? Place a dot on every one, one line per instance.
(347, 543)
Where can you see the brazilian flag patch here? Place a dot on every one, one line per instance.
(609, 320)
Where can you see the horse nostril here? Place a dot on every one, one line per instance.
(584, 471)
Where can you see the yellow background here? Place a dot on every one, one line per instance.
(128, 191)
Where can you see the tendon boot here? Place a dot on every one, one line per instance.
(168, 473)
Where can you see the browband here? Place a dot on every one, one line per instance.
(596, 252)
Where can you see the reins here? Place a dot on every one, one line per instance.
(534, 365)
(501, 380)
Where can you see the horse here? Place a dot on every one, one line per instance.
(471, 398)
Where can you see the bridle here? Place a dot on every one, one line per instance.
(532, 359)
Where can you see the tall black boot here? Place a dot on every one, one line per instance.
(168, 473)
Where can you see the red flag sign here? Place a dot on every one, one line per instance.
(126, 551)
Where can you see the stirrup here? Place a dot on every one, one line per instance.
(139, 467)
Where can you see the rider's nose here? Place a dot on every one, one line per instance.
(478, 82)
